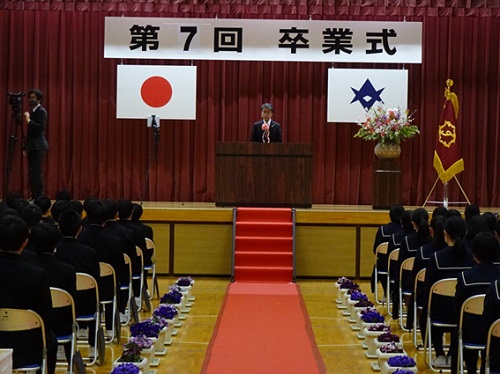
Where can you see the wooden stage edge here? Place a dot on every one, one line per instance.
(363, 215)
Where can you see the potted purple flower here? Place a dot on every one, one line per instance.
(126, 368)
(132, 354)
(146, 328)
(399, 362)
(171, 297)
(370, 333)
(186, 281)
(372, 316)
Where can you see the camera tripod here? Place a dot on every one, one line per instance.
(153, 156)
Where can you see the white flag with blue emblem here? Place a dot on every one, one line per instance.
(353, 91)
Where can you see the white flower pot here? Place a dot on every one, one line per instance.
(386, 369)
(370, 337)
(383, 357)
(149, 353)
(161, 340)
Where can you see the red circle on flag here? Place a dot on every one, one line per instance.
(156, 91)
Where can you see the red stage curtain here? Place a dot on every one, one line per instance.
(58, 47)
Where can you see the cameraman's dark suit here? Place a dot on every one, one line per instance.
(36, 146)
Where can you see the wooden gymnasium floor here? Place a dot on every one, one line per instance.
(340, 348)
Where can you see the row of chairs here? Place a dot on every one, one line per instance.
(445, 287)
(14, 320)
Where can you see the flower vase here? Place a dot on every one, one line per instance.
(387, 150)
(386, 369)
(341, 296)
(141, 365)
(383, 357)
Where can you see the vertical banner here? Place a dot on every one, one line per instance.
(351, 92)
(447, 157)
(165, 91)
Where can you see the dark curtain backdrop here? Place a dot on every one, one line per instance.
(58, 47)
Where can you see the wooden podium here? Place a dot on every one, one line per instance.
(387, 183)
(260, 174)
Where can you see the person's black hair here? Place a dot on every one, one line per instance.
(43, 202)
(76, 205)
(58, 207)
(406, 222)
(125, 208)
(13, 233)
(112, 207)
(137, 212)
(38, 93)
(491, 220)
(11, 197)
(44, 237)
(20, 204)
(32, 215)
(97, 212)
(267, 106)
(70, 222)
(396, 212)
(89, 200)
(470, 211)
(485, 246)
(475, 225)
(440, 211)
(12, 212)
(456, 229)
(420, 217)
(63, 195)
(437, 224)
(453, 213)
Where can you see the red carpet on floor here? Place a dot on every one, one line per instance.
(263, 328)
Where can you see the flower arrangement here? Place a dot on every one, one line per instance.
(387, 337)
(126, 369)
(160, 321)
(175, 288)
(403, 371)
(387, 125)
(184, 281)
(171, 297)
(391, 348)
(382, 327)
(147, 328)
(401, 361)
(354, 288)
(358, 295)
(363, 304)
(372, 317)
(143, 342)
(348, 284)
(166, 311)
(131, 353)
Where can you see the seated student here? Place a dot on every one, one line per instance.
(57, 208)
(125, 209)
(32, 215)
(409, 246)
(136, 216)
(491, 313)
(84, 259)
(475, 225)
(24, 286)
(383, 235)
(474, 282)
(446, 263)
(44, 238)
(44, 203)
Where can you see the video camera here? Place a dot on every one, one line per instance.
(15, 100)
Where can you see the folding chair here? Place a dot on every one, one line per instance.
(493, 332)
(126, 289)
(139, 278)
(473, 305)
(381, 250)
(419, 281)
(110, 301)
(85, 282)
(444, 287)
(61, 299)
(150, 245)
(407, 265)
(24, 320)
(393, 257)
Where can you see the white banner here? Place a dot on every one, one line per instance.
(263, 40)
(352, 91)
(165, 91)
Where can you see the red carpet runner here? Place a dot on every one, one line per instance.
(263, 245)
(263, 328)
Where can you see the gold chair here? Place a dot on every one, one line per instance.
(393, 257)
(107, 272)
(150, 245)
(419, 280)
(493, 332)
(381, 250)
(406, 265)
(19, 320)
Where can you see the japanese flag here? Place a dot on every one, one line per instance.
(166, 91)
(353, 91)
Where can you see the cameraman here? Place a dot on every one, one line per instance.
(36, 145)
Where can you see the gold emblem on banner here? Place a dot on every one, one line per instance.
(447, 134)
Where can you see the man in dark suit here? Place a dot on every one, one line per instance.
(136, 216)
(266, 130)
(23, 286)
(36, 145)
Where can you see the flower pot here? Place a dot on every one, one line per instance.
(142, 365)
(148, 353)
(380, 344)
(386, 369)
(387, 150)
(159, 344)
(370, 337)
(383, 357)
